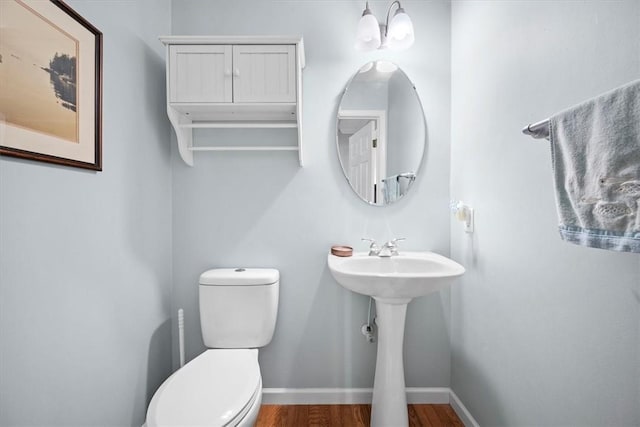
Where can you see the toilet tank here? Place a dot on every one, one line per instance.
(238, 306)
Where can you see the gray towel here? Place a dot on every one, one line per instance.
(391, 190)
(596, 161)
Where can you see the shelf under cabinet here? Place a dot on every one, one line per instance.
(239, 125)
(256, 148)
(201, 112)
(187, 118)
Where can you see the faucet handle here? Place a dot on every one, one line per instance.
(392, 246)
(373, 247)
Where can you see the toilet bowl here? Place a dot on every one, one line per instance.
(223, 385)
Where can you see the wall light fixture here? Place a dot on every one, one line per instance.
(396, 35)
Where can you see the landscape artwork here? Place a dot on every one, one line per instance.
(50, 84)
(39, 59)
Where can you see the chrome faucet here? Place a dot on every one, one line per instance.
(389, 249)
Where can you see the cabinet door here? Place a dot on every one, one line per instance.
(264, 73)
(200, 73)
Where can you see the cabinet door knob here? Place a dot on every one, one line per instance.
(236, 72)
(227, 72)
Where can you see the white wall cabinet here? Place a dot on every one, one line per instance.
(233, 82)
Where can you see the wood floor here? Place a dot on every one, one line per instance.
(350, 416)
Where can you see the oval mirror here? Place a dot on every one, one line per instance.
(380, 133)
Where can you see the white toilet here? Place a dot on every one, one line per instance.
(223, 385)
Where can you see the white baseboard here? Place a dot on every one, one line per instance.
(433, 395)
(355, 396)
(316, 396)
(350, 396)
(462, 411)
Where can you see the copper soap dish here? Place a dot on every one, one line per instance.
(340, 250)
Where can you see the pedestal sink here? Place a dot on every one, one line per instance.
(392, 282)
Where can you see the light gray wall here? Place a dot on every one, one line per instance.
(544, 332)
(261, 209)
(85, 257)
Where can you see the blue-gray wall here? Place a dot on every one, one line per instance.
(85, 257)
(544, 332)
(261, 209)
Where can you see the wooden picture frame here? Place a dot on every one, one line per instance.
(50, 84)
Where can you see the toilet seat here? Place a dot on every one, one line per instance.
(217, 388)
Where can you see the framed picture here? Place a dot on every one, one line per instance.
(50, 84)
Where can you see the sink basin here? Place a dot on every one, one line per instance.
(408, 275)
(392, 282)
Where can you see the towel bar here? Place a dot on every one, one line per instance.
(538, 130)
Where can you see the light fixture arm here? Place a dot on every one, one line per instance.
(386, 24)
(366, 10)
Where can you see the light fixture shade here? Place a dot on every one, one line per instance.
(400, 33)
(368, 36)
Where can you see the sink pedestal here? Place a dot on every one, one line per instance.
(389, 404)
(392, 282)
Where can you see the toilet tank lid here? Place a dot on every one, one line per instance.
(239, 276)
